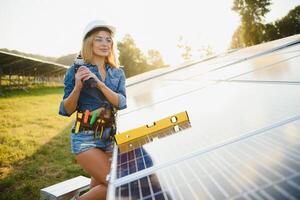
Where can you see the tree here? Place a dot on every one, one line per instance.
(154, 58)
(206, 50)
(130, 56)
(134, 61)
(237, 39)
(284, 27)
(186, 54)
(252, 13)
(67, 59)
(290, 24)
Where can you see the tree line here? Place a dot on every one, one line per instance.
(253, 30)
(130, 57)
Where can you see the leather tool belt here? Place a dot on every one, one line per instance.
(96, 121)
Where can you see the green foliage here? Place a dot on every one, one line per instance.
(154, 58)
(186, 49)
(134, 61)
(284, 27)
(252, 13)
(252, 31)
(67, 59)
(237, 39)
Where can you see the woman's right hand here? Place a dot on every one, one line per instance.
(81, 73)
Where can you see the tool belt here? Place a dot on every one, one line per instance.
(97, 122)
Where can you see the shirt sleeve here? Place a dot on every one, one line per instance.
(121, 90)
(69, 83)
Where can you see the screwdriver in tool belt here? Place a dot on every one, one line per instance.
(94, 117)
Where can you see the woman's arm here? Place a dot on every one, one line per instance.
(118, 98)
(70, 103)
(110, 95)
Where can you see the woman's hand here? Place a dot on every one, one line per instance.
(91, 75)
(81, 75)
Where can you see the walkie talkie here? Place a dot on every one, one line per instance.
(90, 83)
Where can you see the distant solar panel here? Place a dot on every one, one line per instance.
(13, 64)
(244, 140)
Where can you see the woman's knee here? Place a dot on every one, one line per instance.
(94, 182)
(95, 162)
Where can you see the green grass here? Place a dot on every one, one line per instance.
(34, 143)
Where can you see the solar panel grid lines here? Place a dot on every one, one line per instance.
(230, 171)
(248, 65)
(252, 172)
(281, 179)
(214, 187)
(235, 180)
(272, 174)
(256, 187)
(284, 170)
(165, 181)
(267, 108)
(205, 150)
(235, 171)
(137, 159)
(192, 194)
(245, 68)
(262, 82)
(203, 192)
(288, 151)
(294, 184)
(284, 193)
(175, 185)
(262, 68)
(280, 144)
(268, 190)
(229, 182)
(290, 157)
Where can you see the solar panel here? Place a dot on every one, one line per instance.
(252, 65)
(286, 71)
(243, 142)
(262, 166)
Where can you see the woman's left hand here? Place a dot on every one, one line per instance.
(91, 75)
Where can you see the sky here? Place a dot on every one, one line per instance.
(54, 27)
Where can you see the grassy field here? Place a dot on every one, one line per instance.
(34, 143)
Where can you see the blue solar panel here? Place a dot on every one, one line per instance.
(244, 139)
(264, 165)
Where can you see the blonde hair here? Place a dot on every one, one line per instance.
(87, 48)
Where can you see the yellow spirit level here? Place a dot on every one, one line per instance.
(171, 122)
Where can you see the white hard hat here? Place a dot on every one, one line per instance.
(96, 24)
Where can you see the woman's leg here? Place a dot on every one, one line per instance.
(96, 163)
(93, 183)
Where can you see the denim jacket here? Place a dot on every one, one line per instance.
(92, 98)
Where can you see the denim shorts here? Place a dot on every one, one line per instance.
(86, 140)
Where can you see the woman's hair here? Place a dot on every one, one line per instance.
(87, 50)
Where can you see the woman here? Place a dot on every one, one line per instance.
(91, 145)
